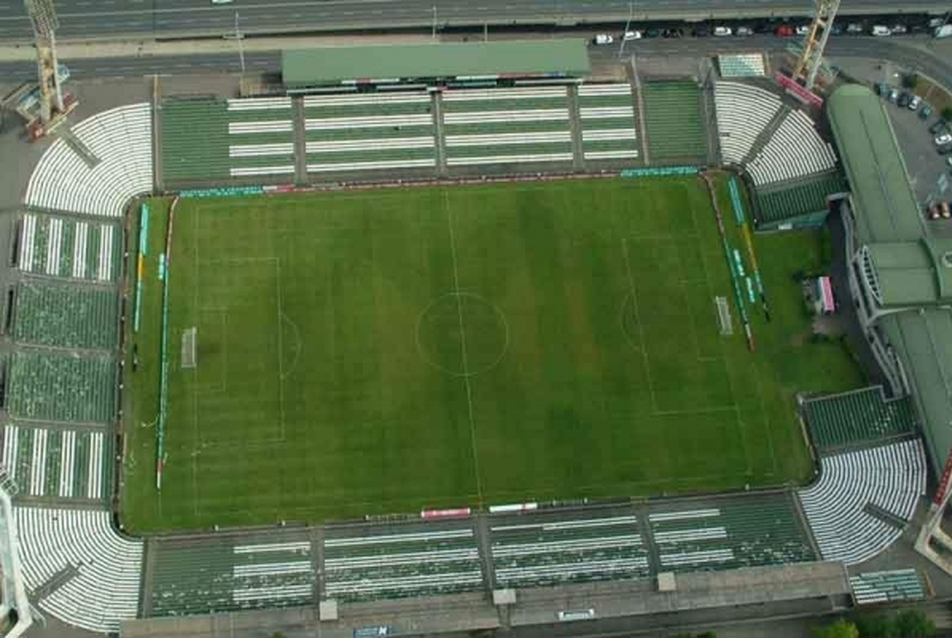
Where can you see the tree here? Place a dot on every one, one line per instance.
(910, 81)
(912, 623)
(947, 114)
(876, 626)
(839, 629)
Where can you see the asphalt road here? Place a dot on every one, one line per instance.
(89, 19)
(898, 50)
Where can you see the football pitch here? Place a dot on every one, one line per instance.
(375, 351)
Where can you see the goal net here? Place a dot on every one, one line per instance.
(724, 315)
(188, 347)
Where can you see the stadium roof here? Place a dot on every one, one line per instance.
(326, 66)
(874, 166)
(913, 273)
(914, 270)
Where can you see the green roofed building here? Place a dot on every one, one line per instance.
(900, 274)
(302, 69)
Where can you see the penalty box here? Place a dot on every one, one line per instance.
(231, 307)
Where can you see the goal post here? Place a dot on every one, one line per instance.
(724, 315)
(189, 337)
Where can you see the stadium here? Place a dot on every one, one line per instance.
(496, 336)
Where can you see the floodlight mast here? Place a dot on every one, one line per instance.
(45, 23)
(814, 44)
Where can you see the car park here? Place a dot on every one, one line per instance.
(943, 139)
(722, 31)
(603, 38)
(914, 102)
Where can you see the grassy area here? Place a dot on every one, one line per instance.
(380, 351)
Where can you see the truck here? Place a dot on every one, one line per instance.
(943, 32)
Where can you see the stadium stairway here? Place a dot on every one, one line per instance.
(100, 586)
(891, 477)
(122, 139)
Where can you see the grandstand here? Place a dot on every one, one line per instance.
(338, 128)
(62, 372)
(674, 123)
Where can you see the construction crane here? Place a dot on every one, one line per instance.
(814, 44)
(43, 105)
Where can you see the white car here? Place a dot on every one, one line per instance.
(745, 31)
(948, 161)
(899, 29)
(942, 140)
(722, 31)
(915, 103)
(803, 29)
(603, 38)
(221, 1)
(880, 31)
(632, 35)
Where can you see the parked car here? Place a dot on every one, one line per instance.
(881, 88)
(937, 127)
(903, 101)
(783, 30)
(672, 33)
(944, 210)
(914, 103)
(880, 31)
(944, 150)
(722, 31)
(932, 212)
(653, 33)
(744, 31)
(700, 32)
(631, 35)
(836, 29)
(948, 162)
(603, 38)
(854, 28)
(943, 139)
(925, 111)
(898, 29)
(893, 95)
(802, 29)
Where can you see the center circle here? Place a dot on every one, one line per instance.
(462, 334)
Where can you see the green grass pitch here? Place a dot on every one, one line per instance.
(383, 350)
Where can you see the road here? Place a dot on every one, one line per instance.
(906, 52)
(90, 19)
